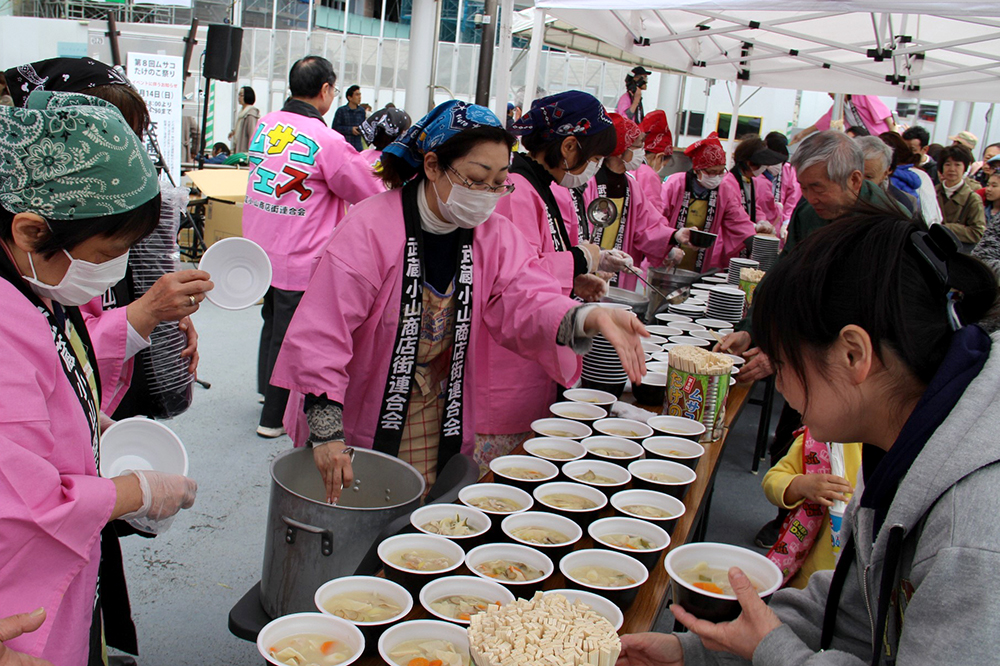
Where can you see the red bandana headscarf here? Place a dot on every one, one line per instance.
(706, 153)
(627, 132)
(658, 136)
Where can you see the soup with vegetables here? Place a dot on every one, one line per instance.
(630, 541)
(540, 535)
(522, 473)
(460, 606)
(567, 501)
(495, 504)
(602, 576)
(647, 511)
(420, 559)
(423, 652)
(508, 570)
(553, 453)
(362, 607)
(660, 477)
(623, 432)
(565, 434)
(590, 477)
(451, 526)
(712, 579)
(610, 453)
(310, 650)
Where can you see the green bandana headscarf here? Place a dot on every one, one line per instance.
(68, 156)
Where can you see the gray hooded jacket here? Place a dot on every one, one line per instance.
(947, 577)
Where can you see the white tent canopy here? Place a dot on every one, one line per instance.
(900, 48)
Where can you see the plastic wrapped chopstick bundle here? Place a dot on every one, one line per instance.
(545, 630)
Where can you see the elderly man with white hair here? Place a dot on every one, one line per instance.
(878, 166)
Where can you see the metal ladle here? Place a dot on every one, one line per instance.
(602, 212)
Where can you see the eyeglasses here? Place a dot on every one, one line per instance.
(502, 190)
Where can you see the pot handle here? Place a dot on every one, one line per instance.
(326, 536)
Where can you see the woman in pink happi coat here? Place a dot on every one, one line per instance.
(658, 145)
(382, 345)
(781, 178)
(638, 229)
(751, 158)
(565, 136)
(63, 242)
(704, 198)
(866, 110)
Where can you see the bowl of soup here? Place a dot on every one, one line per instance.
(557, 451)
(624, 428)
(615, 576)
(413, 560)
(561, 428)
(658, 508)
(652, 390)
(550, 533)
(607, 477)
(640, 539)
(458, 598)
(578, 411)
(524, 472)
(677, 426)
(521, 569)
(617, 450)
(370, 603)
(663, 476)
(576, 501)
(429, 640)
(699, 578)
(597, 603)
(496, 500)
(464, 525)
(675, 449)
(590, 396)
(305, 638)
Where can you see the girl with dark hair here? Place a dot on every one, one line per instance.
(900, 363)
(246, 121)
(64, 242)
(414, 280)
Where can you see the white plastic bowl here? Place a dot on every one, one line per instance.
(310, 623)
(515, 552)
(578, 411)
(561, 428)
(139, 443)
(432, 542)
(590, 396)
(663, 501)
(664, 331)
(677, 426)
(570, 488)
(620, 474)
(465, 495)
(691, 341)
(544, 520)
(422, 630)
(475, 518)
(570, 446)
(668, 318)
(615, 428)
(240, 271)
(630, 448)
(501, 464)
(472, 586)
(680, 449)
(386, 588)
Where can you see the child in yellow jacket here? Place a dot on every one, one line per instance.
(786, 485)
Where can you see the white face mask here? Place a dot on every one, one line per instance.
(467, 208)
(710, 182)
(571, 180)
(638, 159)
(775, 169)
(759, 170)
(83, 282)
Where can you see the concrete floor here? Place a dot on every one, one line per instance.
(183, 583)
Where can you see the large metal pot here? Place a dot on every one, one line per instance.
(633, 299)
(309, 541)
(671, 282)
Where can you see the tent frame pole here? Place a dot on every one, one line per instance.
(734, 121)
(534, 58)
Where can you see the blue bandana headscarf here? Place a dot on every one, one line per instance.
(444, 122)
(571, 113)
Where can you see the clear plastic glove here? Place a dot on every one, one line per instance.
(590, 287)
(674, 257)
(163, 495)
(593, 254)
(765, 228)
(614, 261)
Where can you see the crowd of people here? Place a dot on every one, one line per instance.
(432, 289)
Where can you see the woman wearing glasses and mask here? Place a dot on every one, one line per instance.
(411, 282)
(705, 199)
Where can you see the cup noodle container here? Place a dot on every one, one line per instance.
(699, 397)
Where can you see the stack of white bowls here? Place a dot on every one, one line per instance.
(736, 264)
(687, 309)
(726, 303)
(602, 365)
(765, 251)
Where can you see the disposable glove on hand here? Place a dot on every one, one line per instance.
(163, 495)
(614, 261)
